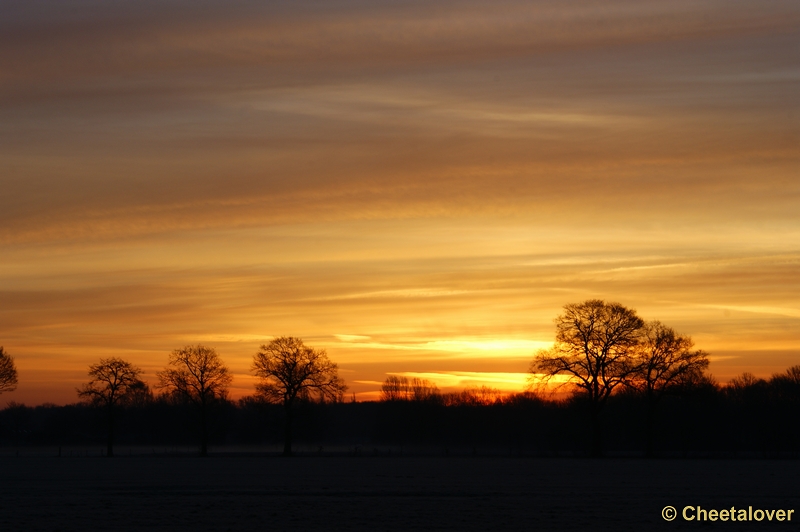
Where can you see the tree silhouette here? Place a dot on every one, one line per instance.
(139, 395)
(786, 385)
(423, 390)
(474, 396)
(749, 397)
(666, 362)
(596, 344)
(8, 372)
(197, 374)
(395, 388)
(288, 371)
(113, 380)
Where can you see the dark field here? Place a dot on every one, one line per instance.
(246, 492)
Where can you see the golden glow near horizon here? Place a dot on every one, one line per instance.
(416, 187)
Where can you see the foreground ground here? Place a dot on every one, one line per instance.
(245, 492)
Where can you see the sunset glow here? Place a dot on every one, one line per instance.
(416, 187)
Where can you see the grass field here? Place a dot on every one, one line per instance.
(270, 493)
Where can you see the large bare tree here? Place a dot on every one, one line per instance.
(8, 372)
(288, 371)
(112, 382)
(666, 362)
(596, 346)
(197, 374)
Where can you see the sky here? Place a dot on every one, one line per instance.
(416, 187)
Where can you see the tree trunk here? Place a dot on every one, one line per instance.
(110, 442)
(651, 421)
(203, 431)
(597, 431)
(287, 433)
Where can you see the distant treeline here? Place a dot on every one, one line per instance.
(635, 387)
(747, 417)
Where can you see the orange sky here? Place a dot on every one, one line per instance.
(417, 187)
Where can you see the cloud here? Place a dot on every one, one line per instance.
(533, 135)
(514, 382)
(184, 36)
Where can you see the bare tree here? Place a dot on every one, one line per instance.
(746, 388)
(8, 372)
(786, 385)
(423, 390)
(139, 395)
(596, 346)
(289, 371)
(197, 374)
(8, 383)
(667, 362)
(112, 381)
(395, 388)
(474, 396)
